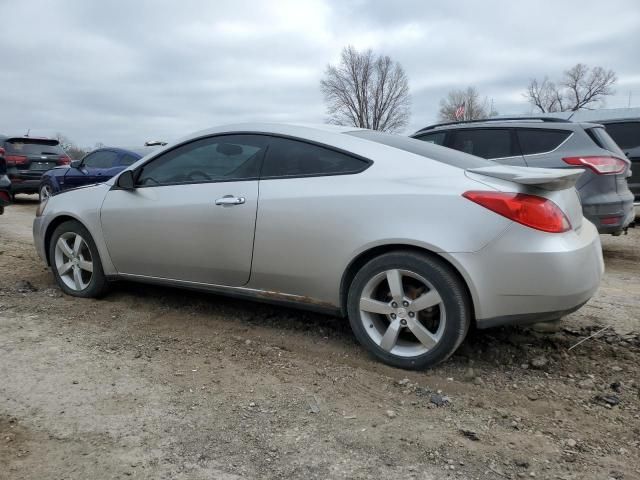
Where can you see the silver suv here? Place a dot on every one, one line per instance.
(552, 143)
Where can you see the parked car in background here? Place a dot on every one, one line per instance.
(27, 158)
(626, 133)
(413, 242)
(97, 166)
(552, 143)
(5, 183)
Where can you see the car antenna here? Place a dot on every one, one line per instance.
(28, 132)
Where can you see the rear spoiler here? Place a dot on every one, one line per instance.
(545, 178)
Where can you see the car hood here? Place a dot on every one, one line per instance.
(81, 187)
(59, 171)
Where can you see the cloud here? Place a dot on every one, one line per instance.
(124, 72)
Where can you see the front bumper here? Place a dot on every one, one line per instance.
(39, 230)
(528, 276)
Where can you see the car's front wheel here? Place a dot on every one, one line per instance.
(45, 192)
(75, 261)
(408, 309)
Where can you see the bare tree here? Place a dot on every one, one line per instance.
(65, 142)
(367, 91)
(464, 105)
(75, 152)
(580, 87)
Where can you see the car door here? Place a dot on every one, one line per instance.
(91, 169)
(305, 190)
(192, 214)
(497, 144)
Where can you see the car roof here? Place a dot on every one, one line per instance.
(514, 122)
(138, 151)
(293, 129)
(26, 138)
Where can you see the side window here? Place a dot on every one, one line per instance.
(626, 135)
(484, 142)
(127, 159)
(292, 158)
(534, 141)
(101, 159)
(212, 159)
(435, 137)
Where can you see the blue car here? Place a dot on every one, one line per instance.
(98, 166)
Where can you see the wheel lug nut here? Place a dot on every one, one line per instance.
(411, 314)
(394, 304)
(393, 315)
(405, 303)
(403, 322)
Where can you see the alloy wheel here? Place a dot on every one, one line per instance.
(45, 192)
(73, 261)
(402, 312)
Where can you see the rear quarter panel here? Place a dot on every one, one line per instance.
(309, 230)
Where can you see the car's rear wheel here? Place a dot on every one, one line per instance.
(408, 309)
(45, 192)
(75, 261)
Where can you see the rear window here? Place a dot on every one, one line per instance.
(603, 140)
(424, 149)
(626, 135)
(534, 141)
(32, 146)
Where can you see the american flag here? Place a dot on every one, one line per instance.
(459, 113)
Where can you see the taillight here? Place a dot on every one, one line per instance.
(1, 152)
(13, 160)
(530, 210)
(4, 197)
(602, 165)
(64, 161)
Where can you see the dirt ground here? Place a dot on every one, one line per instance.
(159, 383)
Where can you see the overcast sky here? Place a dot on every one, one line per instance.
(122, 72)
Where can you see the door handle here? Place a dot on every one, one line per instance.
(230, 200)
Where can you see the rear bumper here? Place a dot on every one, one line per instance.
(24, 182)
(529, 276)
(610, 212)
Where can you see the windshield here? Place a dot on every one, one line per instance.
(28, 146)
(424, 149)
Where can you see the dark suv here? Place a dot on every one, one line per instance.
(5, 183)
(27, 158)
(626, 133)
(552, 143)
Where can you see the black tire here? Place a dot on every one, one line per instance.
(443, 278)
(98, 284)
(40, 190)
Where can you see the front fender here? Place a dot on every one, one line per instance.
(83, 205)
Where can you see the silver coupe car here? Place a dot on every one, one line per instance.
(411, 241)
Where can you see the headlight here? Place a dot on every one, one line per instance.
(41, 207)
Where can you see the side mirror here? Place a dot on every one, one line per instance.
(75, 163)
(126, 181)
